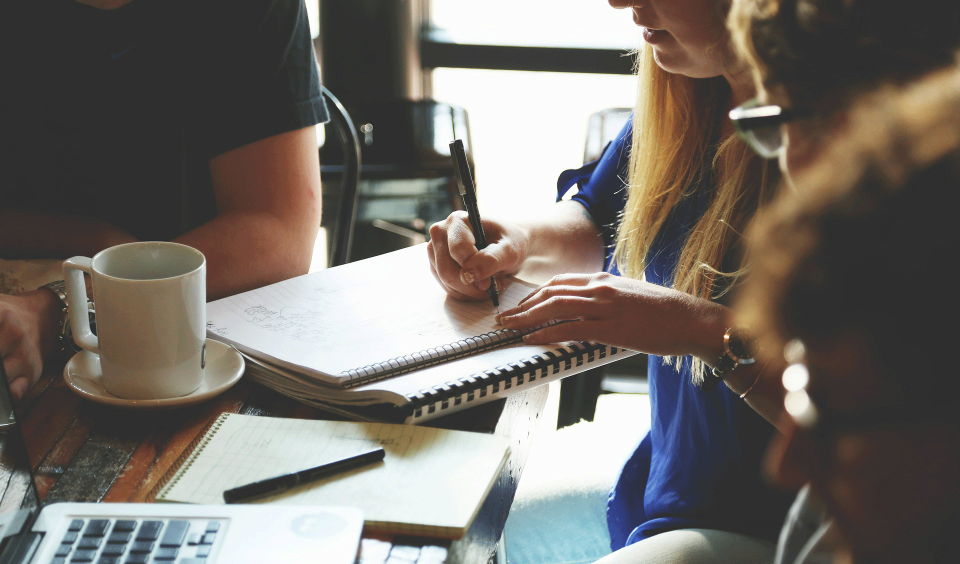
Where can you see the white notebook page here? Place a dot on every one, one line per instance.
(362, 313)
(431, 481)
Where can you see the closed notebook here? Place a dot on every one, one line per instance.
(382, 332)
(431, 482)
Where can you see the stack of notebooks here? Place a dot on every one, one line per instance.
(379, 340)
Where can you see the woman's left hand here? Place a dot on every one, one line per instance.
(622, 312)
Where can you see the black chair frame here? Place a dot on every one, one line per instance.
(346, 133)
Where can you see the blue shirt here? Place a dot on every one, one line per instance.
(699, 466)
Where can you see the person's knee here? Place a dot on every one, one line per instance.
(695, 546)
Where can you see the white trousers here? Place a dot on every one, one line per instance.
(695, 546)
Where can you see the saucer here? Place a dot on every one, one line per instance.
(224, 369)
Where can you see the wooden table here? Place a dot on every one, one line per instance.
(82, 451)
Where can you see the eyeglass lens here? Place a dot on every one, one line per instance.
(766, 141)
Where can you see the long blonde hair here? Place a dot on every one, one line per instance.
(676, 127)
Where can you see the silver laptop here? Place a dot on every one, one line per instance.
(148, 533)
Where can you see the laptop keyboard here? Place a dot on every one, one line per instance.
(131, 541)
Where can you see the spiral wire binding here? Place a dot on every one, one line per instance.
(525, 370)
(187, 458)
(433, 356)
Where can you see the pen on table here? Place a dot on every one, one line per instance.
(279, 484)
(469, 194)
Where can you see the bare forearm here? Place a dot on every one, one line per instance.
(759, 381)
(251, 249)
(563, 240)
(766, 395)
(268, 213)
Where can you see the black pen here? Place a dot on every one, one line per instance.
(278, 484)
(469, 194)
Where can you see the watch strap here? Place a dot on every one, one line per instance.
(724, 366)
(66, 346)
(733, 338)
(58, 287)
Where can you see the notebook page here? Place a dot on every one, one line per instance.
(432, 481)
(363, 313)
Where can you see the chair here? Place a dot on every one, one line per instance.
(338, 243)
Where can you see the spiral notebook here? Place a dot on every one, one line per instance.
(380, 339)
(431, 482)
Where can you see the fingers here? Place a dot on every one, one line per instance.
(559, 285)
(556, 308)
(580, 330)
(20, 341)
(444, 265)
(461, 269)
(19, 388)
(459, 239)
(451, 291)
(21, 374)
(478, 269)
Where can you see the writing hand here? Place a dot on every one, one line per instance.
(27, 325)
(462, 270)
(621, 312)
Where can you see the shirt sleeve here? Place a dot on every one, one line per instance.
(261, 75)
(601, 187)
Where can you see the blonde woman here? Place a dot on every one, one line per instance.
(692, 490)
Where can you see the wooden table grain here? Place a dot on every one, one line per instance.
(83, 451)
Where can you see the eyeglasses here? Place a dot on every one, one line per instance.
(759, 126)
(822, 425)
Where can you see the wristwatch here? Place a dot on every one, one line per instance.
(738, 347)
(66, 346)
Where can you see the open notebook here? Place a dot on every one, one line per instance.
(431, 482)
(382, 332)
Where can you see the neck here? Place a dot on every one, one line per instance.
(742, 87)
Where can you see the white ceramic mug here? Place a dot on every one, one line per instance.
(151, 317)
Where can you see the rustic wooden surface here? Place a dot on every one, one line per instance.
(82, 451)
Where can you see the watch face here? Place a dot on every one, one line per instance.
(741, 345)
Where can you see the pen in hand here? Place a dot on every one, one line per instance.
(284, 482)
(469, 194)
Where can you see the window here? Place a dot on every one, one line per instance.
(528, 125)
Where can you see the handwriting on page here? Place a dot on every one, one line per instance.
(363, 313)
(338, 323)
(296, 322)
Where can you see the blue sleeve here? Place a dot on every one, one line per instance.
(601, 186)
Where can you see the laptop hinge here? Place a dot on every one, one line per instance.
(20, 549)
(19, 543)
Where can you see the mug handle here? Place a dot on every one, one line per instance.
(73, 270)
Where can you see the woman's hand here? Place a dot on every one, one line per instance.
(621, 312)
(27, 334)
(462, 270)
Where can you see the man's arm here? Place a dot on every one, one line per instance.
(268, 213)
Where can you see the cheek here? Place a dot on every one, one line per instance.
(890, 487)
(799, 152)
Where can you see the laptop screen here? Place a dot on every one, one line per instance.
(19, 501)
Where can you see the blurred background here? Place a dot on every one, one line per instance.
(517, 80)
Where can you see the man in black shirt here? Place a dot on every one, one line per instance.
(185, 120)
